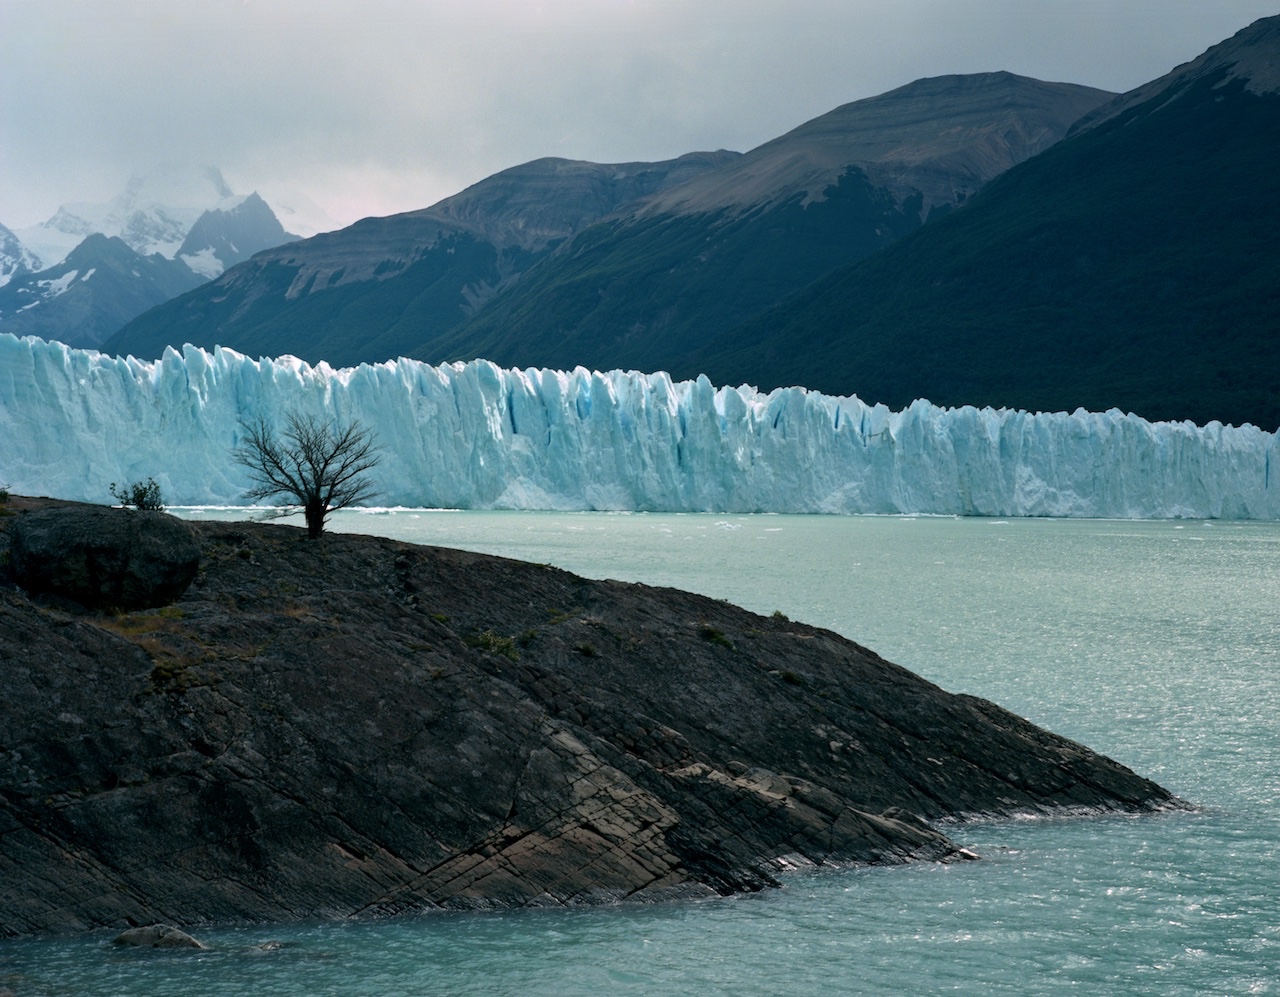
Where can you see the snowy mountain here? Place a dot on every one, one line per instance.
(15, 258)
(229, 234)
(477, 436)
(166, 233)
(85, 298)
(156, 213)
(153, 214)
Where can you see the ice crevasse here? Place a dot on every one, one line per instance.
(476, 436)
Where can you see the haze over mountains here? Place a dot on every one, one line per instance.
(81, 275)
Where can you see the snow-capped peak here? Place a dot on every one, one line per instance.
(153, 214)
(15, 258)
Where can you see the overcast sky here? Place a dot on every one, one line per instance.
(377, 106)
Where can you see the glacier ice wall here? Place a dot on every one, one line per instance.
(479, 437)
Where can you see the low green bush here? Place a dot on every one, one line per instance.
(142, 495)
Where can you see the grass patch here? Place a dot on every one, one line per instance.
(494, 643)
(713, 636)
(132, 624)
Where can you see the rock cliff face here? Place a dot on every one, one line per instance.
(357, 726)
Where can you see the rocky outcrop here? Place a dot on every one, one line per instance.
(158, 936)
(104, 558)
(357, 726)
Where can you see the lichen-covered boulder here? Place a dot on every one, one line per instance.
(104, 558)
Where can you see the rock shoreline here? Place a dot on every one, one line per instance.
(357, 726)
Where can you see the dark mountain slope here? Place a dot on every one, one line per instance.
(645, 288)
(374, 290)
(684, 248)
(99, 287)
(640, 293)
(1133, 265)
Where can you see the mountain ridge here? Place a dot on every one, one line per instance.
(1130, 266)
(398, 274)
(893, 132)
(646, 288)
(1252, 54)
(389, 290)
(96, 289)
(175, 249)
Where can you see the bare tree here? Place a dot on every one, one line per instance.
(317, 465)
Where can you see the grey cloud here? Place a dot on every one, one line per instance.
(390, 105)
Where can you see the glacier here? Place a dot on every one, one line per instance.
(476, 436)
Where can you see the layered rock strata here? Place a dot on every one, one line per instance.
(358, 726)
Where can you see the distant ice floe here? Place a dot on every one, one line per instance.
(476, 436)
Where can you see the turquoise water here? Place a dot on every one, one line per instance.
(1155, 642)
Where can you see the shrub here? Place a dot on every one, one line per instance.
(142, 495)
(714, 636)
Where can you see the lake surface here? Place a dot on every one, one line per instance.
(1157, 643)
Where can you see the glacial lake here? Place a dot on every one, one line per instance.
(1157, 643)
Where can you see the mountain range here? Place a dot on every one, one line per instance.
(375, 289)
(1133, 265)
(985, 239)
(91, 268)
(561, 263)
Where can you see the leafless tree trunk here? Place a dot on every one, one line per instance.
(317, 465)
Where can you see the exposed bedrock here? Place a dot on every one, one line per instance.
(358, 726)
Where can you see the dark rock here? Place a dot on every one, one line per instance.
(158, 936)
(360, 726)
(104, 558)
